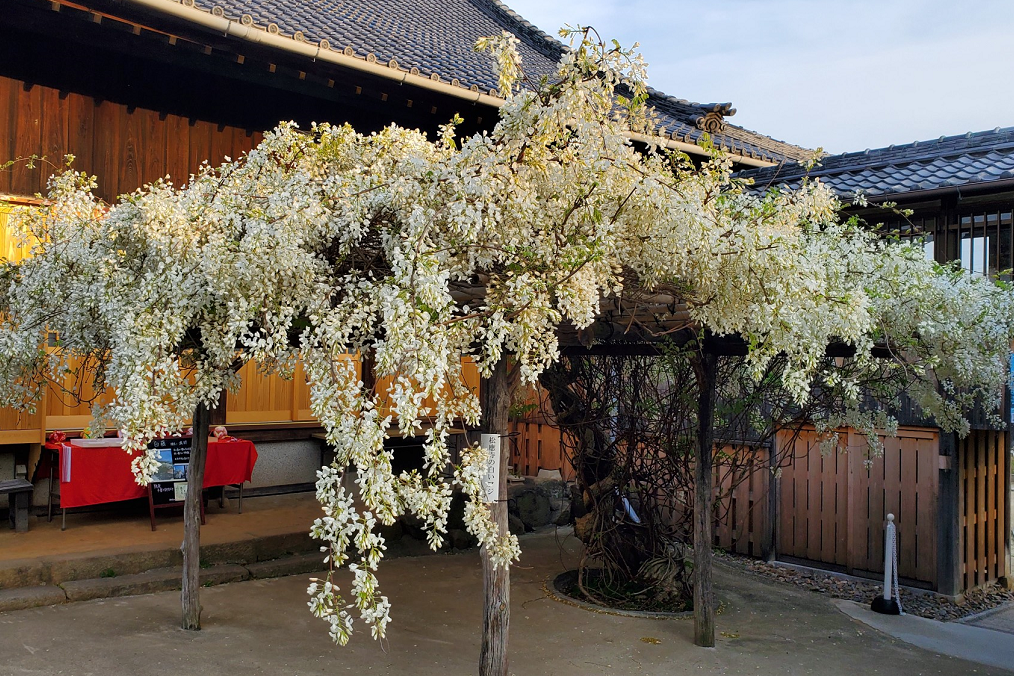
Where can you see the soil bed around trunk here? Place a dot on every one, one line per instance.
(627, 599)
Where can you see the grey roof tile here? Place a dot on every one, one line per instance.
(437, 37)
(949, 161)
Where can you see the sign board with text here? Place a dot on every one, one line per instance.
(491, 475)
(169, 482)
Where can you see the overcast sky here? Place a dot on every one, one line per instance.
(841, 74)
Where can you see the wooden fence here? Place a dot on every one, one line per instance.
(829, 509)
(535, 445)
(833, 506)
(742, 517)
(983, 470)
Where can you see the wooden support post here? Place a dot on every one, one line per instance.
(219, 413)
(704, 600)
(950, 505)
(192, 521)
(367, 369)
(495, 396)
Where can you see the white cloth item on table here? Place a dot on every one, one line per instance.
(65, 464)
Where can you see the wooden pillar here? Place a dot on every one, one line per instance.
(495, 396)
(704, 600)
(192, 520)
(218, 414)
(950, 502)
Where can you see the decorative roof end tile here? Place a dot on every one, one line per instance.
(712, 116)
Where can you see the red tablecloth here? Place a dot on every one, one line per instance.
(93, 476)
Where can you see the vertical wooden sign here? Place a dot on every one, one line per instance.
(491, 475)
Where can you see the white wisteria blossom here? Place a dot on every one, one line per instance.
(322, 244)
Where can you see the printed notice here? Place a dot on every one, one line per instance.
(169, 481)
(491, 477)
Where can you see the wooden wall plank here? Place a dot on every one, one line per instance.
(854, 493)
(786, 508)
(106, 149)
(54, 132)
(81, 131)
(177, 150)
(799, 499)
(132, 140)
(153, 144)
(27, 141)
(1002, 511)
(200, 144)
(907, 489)
(990, 509)
(841, 496)
(877, 515)
(980, 507)
(8, 129)
(828, 518)
(926, 508)
(221, 138)
(968, 448)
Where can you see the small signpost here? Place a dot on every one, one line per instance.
(890, 602)
(168, 487)
(491, 475)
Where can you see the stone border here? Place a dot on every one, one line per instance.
(551, 590)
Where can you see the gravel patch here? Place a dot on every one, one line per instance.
(915, 602)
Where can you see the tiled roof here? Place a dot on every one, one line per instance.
(947, 162)
(435, 38)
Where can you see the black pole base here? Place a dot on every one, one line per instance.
(886, 606)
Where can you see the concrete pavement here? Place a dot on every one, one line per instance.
(264, 627)
(998, 619)
(973, 643)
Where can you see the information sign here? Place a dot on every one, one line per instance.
(169, 482)
(491, 475)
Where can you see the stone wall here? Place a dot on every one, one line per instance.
(537, 502)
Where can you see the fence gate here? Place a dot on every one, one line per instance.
(832, 507)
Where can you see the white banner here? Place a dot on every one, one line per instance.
(491, 476)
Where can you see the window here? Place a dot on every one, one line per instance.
(974, 253)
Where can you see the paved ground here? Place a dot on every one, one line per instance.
(263, 627)
(963, 640)
(1001, 619)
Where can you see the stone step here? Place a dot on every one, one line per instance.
(108, 582)
(31, 597)
(57, 570)
(167, 578)
(290, 565)
(149, 582)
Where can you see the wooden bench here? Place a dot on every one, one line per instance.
(20, 497)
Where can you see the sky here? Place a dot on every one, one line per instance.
(843, 75)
